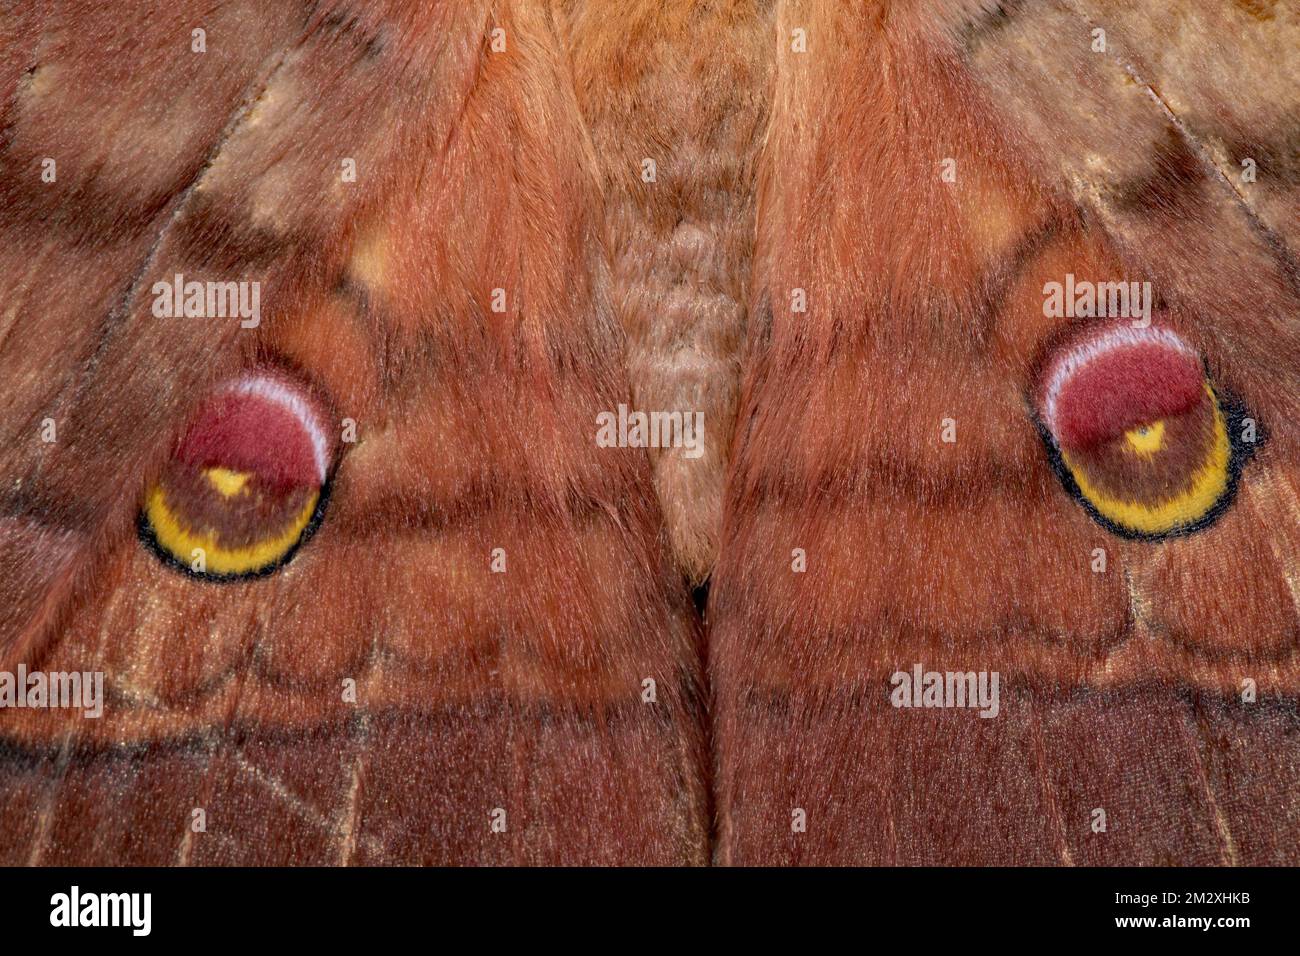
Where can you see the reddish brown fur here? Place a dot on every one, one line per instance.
(476, 690)
(925, 302)
(519, 170)
(684, 85)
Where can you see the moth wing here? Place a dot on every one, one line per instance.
(891, 506)
(392, 694)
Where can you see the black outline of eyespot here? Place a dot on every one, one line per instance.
(150, 540)
(1240, 453)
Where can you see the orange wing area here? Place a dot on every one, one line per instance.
(386, 697)
(928, 169)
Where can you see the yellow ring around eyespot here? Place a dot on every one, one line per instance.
(180, 542)
(1206, 488)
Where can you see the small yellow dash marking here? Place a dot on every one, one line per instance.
(229, 483)
(1146, 440)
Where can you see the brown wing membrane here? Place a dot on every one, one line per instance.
(400, 691)
(930, 167)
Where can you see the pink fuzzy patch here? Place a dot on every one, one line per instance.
(1124, 388)
(248, 432)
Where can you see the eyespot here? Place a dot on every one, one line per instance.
(246, 482)
(1138, 433)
